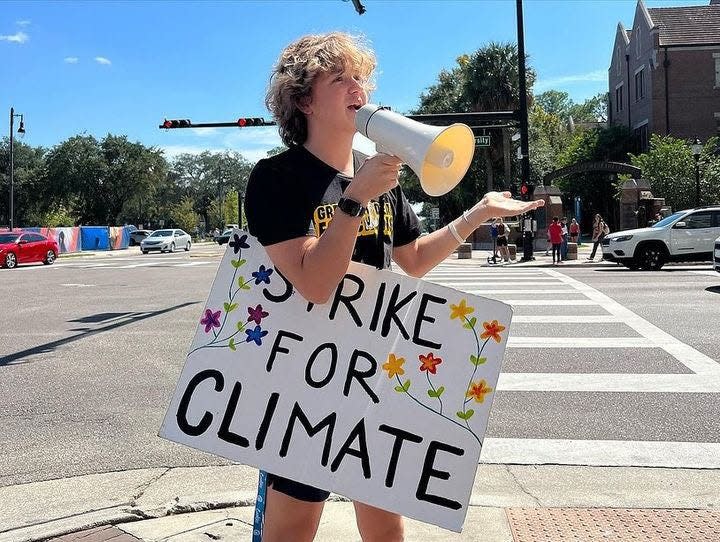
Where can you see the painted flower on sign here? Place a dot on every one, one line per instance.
(478, 390)
(238, 243)
(262, 275)
(255, 335)
(492, 330)
(394, 366)
(256, 314)
(429, 363)
(210, 320)
(460, 310)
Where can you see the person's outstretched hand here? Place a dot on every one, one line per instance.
(502, 204)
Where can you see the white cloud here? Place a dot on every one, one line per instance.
(564, 80)
(205, 132)
(102, 60)
(17, 37)
(173, 151)
(71, 59)
(24, 22)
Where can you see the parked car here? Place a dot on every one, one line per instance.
(685, 236)
(136, 236)
(716, 255)
(165, 241)
(26, 247)
(224, 237)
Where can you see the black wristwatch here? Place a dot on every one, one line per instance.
(351, 207)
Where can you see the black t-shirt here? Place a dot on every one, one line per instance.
(294, 194)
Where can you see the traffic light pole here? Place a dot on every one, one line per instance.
(524, 146)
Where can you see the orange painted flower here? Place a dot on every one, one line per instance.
(460, 311)
(478, 390)
(492, 329)
(429, 363)
(394, 366)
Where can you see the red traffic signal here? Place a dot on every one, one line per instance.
(174, 123)
(250, 121)
(524, 189)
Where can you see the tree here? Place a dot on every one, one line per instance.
(184, 216)
(486, 80)
(30, 180)
(593, 109)
(555, 102)
(670, 167)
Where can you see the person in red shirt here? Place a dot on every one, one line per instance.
(555, 232)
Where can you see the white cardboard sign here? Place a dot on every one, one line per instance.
(381, 395)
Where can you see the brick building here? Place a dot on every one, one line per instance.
(664, 77)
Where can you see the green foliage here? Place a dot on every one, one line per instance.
(183, 214)
(669, 165)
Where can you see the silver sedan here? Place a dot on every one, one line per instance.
(166, 241)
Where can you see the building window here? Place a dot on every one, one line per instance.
(716, 56)
(641, 138)
(636, 36)
(640, 85)
(619, 99)
(618, 60)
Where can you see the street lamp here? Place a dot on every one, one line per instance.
(21, 130)
(697, 147)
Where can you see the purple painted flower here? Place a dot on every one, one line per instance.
(262, 275)
(256, 314)
(255, 335)
(210, 320)
(238, 243)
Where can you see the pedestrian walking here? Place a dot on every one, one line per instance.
(494, 235)
(555, 233)
(600, 230)
(315, 89)
(565, 234)
(574, 231)
(503, 231)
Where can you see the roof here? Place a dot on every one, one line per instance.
(692, 25)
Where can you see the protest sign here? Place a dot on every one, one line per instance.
(382, 394)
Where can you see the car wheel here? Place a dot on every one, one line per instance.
(50, 257)
(632, 265)
(172, 247)
(10, 260)
(651, 258)
(144, 251)
(187, 247)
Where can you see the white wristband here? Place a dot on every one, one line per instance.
(466, 219)
(455, 234)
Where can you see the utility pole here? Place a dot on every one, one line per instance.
(524, 147)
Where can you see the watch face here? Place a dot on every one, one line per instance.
(350, 207)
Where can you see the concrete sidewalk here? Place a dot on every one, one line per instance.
(216, 503)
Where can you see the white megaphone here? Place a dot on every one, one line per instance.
(439, 155)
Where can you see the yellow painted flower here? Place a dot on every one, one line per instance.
(460, 311)
(394, 366)
(492, 329)
(478, 390)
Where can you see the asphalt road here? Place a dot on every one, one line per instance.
(621, 367)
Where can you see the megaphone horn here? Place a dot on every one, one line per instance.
(439, 155)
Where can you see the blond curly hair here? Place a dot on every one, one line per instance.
(297, 67)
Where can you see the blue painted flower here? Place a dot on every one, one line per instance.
(262, 275)
(238, 243)
(255, 335)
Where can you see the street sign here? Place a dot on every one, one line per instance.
(482, 141)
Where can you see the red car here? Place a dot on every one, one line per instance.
(26, 247)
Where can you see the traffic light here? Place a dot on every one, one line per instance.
(174, 123)
(250, 121)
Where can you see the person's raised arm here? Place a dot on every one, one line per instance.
(423, 254)
(315, 265)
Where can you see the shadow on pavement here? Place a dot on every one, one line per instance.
(130, 319)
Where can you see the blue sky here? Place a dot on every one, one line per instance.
(122, 67)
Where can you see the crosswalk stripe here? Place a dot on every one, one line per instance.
(609, 382)
(564, 319)
(579, 342)
(611, 453)
(538, 291)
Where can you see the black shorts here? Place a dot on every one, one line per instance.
(502, 241)
(296, 490)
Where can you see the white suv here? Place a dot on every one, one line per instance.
(686, 236)
(716, 258)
